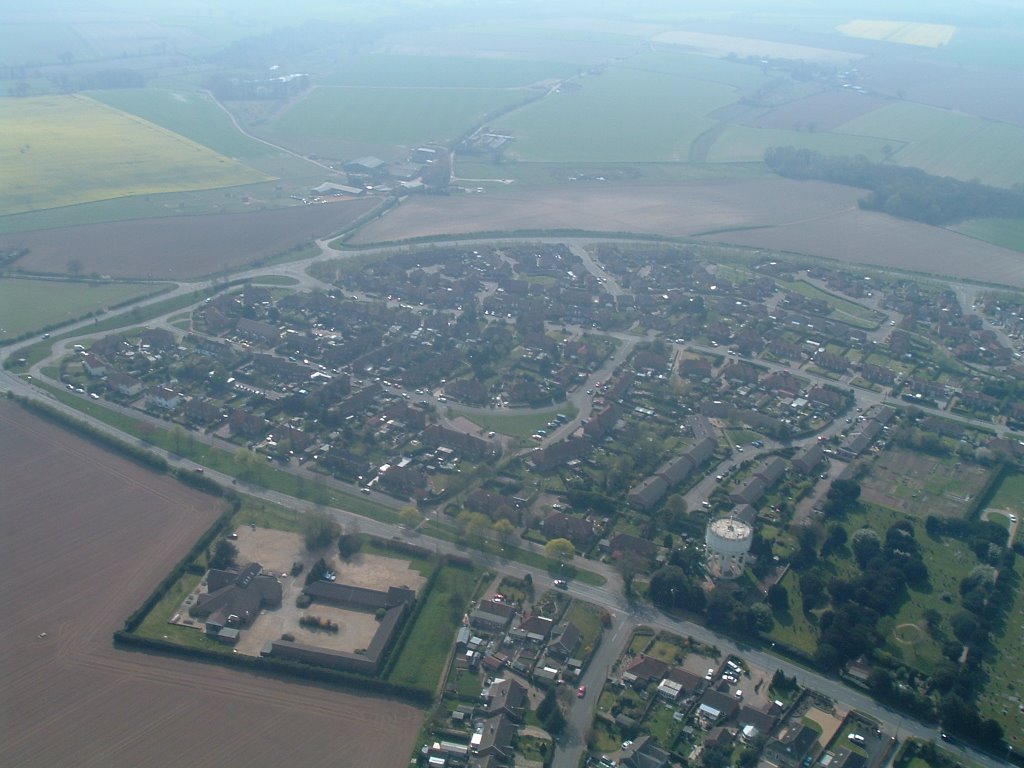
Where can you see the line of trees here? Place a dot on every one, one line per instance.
(908, 193)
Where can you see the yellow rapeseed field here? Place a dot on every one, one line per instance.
(906, 32)
(64, 150)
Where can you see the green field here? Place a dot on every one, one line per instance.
(541, 174)
(388, 116)
(28, 305)
(191, 114)
(622, 115)
(1009, 233)
(63, 150)
(947, 143)
(422, 660)
(516, 426)
(406, 71)
(742, 143)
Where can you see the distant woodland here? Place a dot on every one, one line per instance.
(908, 193)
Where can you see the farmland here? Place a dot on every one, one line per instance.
(63, 150)
(180, 247)
(26, 305)
(328, 119)
(118, 529)
(407, 71)
(905, 32)
(947, 143)
(740, 143)
(192, 115)
(1008, 233)
(656, 117)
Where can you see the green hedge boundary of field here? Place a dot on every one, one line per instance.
(94, 435)
(987, 493)
(277, 667)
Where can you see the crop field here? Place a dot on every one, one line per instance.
(191, 114)
(741, 143)
(620, 115)
(407, 71)
(657, 209)
(1008, 233)
(947, 143)
(26, 305)
(63, 150)
(87, 536)
(387, 116)
(864, 237)
(709, 44)
(823, 111)
(905, 32)
(183, 247)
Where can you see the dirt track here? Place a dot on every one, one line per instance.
(86, 536)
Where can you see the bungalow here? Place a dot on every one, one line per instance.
(792, 745)
(645, 670)
(494, 737)
(559, 525)
(566, 639)
(715, 707)
(644, 752)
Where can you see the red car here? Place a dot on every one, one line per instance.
(581, 692)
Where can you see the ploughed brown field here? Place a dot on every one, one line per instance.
(808, 217)
(182, 247)
(86, 537)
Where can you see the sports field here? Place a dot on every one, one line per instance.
(947, 143)
(87, 536)
(27, 305)
(63, 150)
(621, 115)
(192, 114)
(387, 116)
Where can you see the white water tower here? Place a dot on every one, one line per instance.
(728, 542)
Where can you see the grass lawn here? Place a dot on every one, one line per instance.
(843, 310)
(27, 305)
(516, 426)
(946, 143)
(63, 150)
(1009, 233)
(792, 628)
(587, 619)
(655, 117)
(156, 623)
(192, 114)
(1010, 494)
(422, 660)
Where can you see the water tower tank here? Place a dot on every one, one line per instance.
(728, 542)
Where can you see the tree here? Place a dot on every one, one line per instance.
(504, 530)
(761, 617)
(224, 555)
(559, 551)
(778, 597)
(318, 529)
(866, 546)
(409, 516)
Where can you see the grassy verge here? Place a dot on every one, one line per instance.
(516, 426)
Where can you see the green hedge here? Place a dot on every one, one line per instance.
(283, 667)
